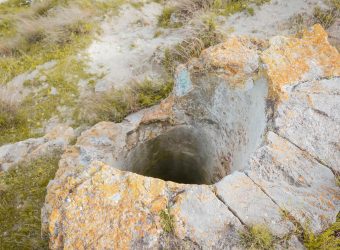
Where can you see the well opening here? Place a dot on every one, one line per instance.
(223, 128)
(181, 155)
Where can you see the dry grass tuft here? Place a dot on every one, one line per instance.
(187, 8)
(115, 105)
(204, 35)
(326, 17)
(10, 115)
(48, 22)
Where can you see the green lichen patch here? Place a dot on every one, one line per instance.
(22, 194)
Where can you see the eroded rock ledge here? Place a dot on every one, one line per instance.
(250, 132)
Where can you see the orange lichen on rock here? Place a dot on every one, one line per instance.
(291, 60)
(161, 112)
(237, 58)
(130, 204)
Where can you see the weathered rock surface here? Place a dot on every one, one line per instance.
(311, 108)
(295, 182)
(99, 189)
(203, 219)
(248, 201)
(292, 60)
(210, 131)
(57, 139)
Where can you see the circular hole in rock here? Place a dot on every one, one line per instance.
(181, 155)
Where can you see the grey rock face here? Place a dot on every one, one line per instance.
(297, 183)
(204, 219)
(251, 204)
(57, 139)
(310, 120)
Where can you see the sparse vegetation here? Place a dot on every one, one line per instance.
(337, 179)
(164, 20)
(167, 221)
(204, 36)
(12, 118)
(326, 17)
(186, 9)
(10, 115)
(33, 34)
(22, 193)
(114, 105)
(257, 237)
(329, 239)
(227, 8)
(42, 32)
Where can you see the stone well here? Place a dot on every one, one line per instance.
(251, 130)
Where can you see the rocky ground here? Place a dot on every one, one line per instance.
(250, 128)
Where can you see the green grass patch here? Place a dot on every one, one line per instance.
(257, 237)
(167, 221)
(41, 33)
(329, 239)
(22, 194)
(164, 20)
(41, 105)
(32, 55)
(13, 122)
(231, 7)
